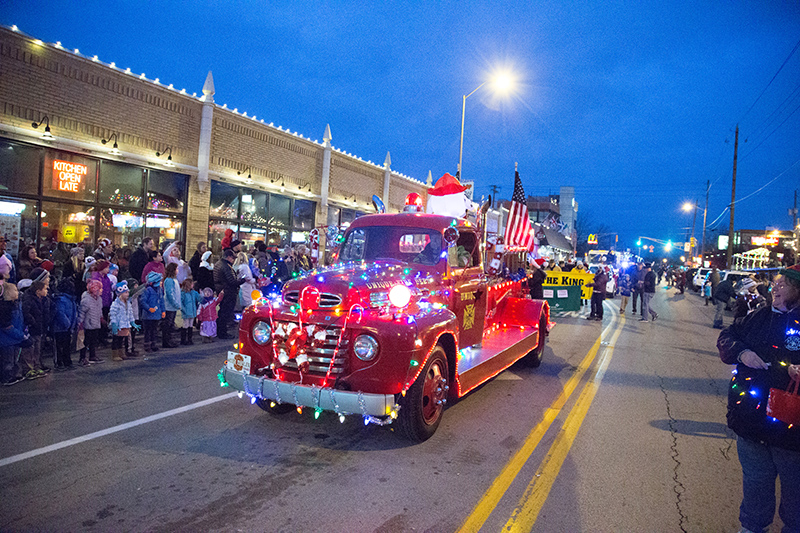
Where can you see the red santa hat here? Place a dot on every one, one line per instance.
(447, 184)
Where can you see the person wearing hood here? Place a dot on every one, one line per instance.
(194, 262)
(227, 239)
(205, 272)
(207, 314)
(173, 255)
(765, 347)
(122, 320)
(151, 310)
(64, 313)
(90, 320)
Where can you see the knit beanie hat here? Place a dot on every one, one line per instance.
(791, 272)
(76, 250)
(89, 261)
(24, 284)
(153, 278)
(113, 268)
(121, 287)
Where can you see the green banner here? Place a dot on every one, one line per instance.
(563, 297)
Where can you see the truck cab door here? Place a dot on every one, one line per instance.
(469, 287)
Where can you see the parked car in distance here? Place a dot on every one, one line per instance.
(699, 278)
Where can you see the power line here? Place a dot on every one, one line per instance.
(770, 81)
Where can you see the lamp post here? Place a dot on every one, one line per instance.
(502, 82)
(688, 206)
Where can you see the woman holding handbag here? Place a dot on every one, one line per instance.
(765, 347)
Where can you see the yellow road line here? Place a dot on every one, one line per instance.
(500, 485)
(527, 511)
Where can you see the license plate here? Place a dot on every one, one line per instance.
(238, 362)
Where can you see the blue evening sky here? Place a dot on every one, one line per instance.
(632, 103)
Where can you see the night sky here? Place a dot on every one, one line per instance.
(634, 104)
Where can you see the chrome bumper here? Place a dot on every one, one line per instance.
(340, 401)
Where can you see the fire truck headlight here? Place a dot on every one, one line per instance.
(365, 347)
(262, 332)
(400, 295)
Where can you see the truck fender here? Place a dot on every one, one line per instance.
(433, 329)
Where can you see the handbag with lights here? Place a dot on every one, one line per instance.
(785, 404)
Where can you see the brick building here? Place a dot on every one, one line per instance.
(116, 155)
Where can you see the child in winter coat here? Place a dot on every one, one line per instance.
(36, 312)
(207, 314)
(151, 310)
(100, 273)
(65, 321)
(90, 320)
(190, 301)
(136, 290)
(121, 320)
(172, 304)
(12, 334)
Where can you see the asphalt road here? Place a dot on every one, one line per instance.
(622, 428)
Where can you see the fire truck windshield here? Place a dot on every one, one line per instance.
(407, 245)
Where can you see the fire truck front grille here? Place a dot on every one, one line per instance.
(319, 357)
(326, 299)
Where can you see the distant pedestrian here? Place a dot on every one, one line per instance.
(648, 291)
(151, 310)
(12, 333)
(226, 280)
(36, 312)
(598, 286)
(624, 291)
(90, 319)
(64, 321)
(721, 295)
(637, 285)
(122, 321)
(205, 272)
(172, 304)
(194, 262)
(140, 257)
(190, 302)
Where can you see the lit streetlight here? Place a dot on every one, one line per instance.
(503, 83)
(689, 206)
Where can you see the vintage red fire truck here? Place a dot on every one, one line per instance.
(404, 320)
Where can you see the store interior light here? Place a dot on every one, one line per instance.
(115, 149)
(46, 121)
(168, 151)
(11, 208)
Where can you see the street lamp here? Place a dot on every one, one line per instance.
(503, 83)
(688, 206)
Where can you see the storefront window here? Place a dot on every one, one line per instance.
(69, 176)
(280, 211)
(303, 214)
(121, 184)
(163, 229)
(278, 238)
(166, 191)
(19, 168)
(224, 201)
(254, 207)
(18, 219)
(63, 227)
(216, 232)
(249, 235)
(122, 228)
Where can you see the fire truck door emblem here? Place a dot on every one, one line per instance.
(469, 317)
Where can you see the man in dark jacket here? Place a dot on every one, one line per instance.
(721, 294)
(140, 257)
(648, 291)
(225, 280)
(194, 262)
(637, 284)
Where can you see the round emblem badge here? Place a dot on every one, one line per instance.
(792, 342)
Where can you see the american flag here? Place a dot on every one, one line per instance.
(519, 233)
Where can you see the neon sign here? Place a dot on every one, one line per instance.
(767, 240)
(67, 176)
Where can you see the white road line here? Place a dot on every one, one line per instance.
(115, 429)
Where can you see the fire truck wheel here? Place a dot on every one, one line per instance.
(534, 357)
(279, 409)
(422, 407)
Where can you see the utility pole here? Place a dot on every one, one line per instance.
(691, 239)
(733, 201)
(494, 189)
(795, 229)
(705, 214)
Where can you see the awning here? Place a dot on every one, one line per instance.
(555, 240)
